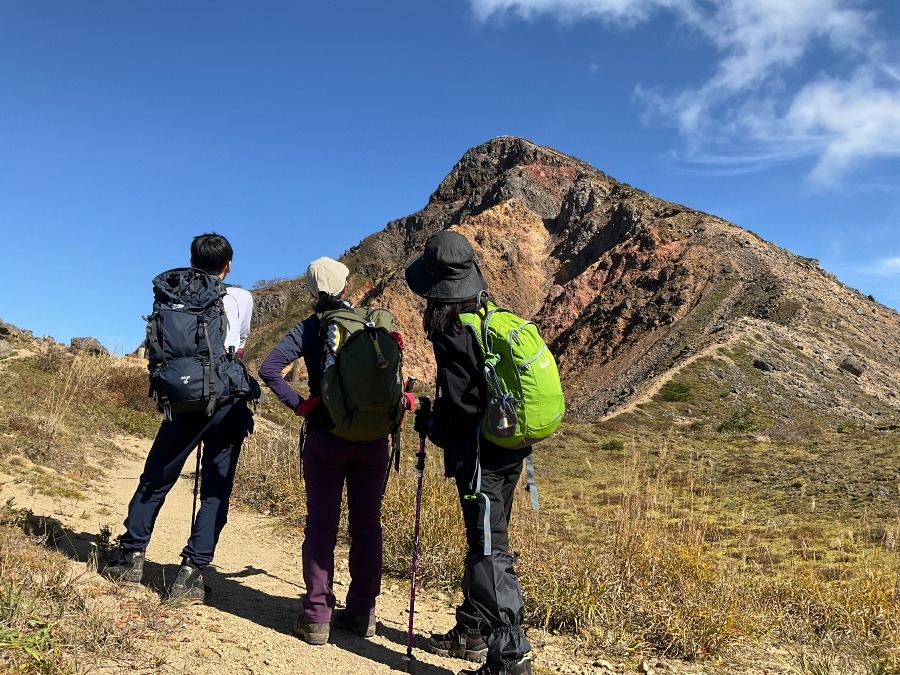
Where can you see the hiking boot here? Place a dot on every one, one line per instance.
(128, 566)
(461, 643)
(364, 626)
(188, 588)
(313, 633)
(520, 667)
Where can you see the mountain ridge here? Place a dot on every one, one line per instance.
(625, 286)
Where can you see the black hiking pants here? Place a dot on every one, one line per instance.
(492, 597)
(174, 443)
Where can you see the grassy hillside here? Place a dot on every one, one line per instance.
(676, 529)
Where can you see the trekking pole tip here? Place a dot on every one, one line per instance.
(407, 663)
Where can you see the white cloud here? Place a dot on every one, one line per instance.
(756, 109)
(618, 11)
(855, 118)
(885, 267)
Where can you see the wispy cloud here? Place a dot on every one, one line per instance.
(884, 267)
(614, 11)
(765, 102)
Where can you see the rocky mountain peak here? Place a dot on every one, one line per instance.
(628, 288)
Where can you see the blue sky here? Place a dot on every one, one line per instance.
(296, 129)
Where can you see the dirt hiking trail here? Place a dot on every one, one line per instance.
(256, 581)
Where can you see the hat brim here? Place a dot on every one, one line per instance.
(422, 282)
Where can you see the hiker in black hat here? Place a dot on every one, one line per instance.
(488, 622)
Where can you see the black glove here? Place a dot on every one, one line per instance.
(422, 424)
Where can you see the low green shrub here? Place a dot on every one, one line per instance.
(673, 391)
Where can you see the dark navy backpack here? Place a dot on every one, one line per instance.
(190, 368)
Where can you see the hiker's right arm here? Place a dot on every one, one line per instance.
(460, 404)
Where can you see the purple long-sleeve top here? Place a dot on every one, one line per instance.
(303, 341)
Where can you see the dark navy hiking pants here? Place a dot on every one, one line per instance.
(168, 454)
(492, 596)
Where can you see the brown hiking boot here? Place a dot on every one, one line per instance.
(461, 643)
(520, 667)
(363, 626)
(312, 633)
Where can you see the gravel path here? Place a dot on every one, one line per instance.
(256, 580)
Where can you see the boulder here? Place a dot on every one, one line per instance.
(853, 365)
(88, 344)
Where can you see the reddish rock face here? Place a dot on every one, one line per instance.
(624, 286)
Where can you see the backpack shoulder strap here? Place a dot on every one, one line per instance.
(480, 321)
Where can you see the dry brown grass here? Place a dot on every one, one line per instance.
(55, 621)
(62, 410)
(686, 545)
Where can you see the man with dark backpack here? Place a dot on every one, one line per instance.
(353, 358)
(195, 337)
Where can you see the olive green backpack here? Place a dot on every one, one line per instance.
(362, 381)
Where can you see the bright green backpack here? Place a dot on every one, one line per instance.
(362, 381)
(525, 397)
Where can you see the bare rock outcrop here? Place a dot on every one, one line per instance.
(626, 286)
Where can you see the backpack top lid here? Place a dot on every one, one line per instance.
(187, 288)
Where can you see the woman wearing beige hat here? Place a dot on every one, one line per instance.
(328, 463)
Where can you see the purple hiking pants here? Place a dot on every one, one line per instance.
(329, 461)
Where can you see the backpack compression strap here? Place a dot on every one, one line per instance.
(203, 334)
(476, 493)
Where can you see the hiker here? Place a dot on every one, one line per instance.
(488, 622)
(328, 461)
(222, 435)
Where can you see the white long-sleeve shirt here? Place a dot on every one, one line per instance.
(239, 309)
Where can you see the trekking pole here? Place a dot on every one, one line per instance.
(196, 484)
(425, 406)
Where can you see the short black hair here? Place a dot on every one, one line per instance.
(210, 252)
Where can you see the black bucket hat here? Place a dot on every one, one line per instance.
(446, 270)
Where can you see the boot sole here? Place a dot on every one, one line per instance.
(184, 602)
(367, 633)
(125, 577)
(475, 656)
(315, 640)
